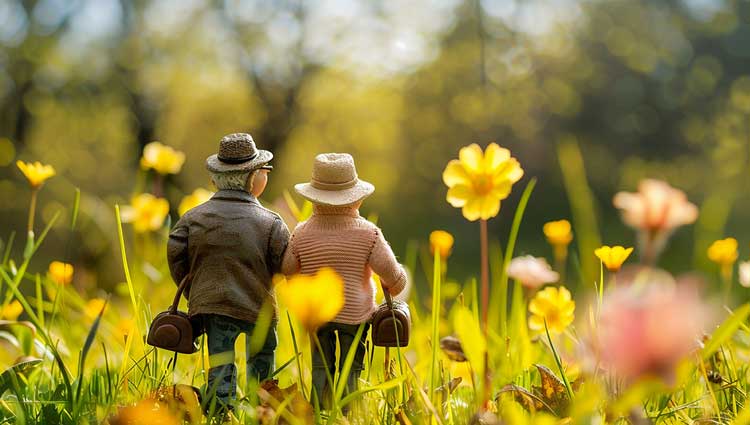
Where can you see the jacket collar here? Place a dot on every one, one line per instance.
(235, 195)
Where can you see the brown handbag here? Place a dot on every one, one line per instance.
(172, 329)
(391, 323)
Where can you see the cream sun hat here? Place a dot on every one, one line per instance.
(334, 181)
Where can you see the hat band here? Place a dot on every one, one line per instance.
(237, 160)
(317, 184)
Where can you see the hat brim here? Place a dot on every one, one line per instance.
(214, 164)
(335, 198)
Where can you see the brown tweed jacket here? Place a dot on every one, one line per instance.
(239, 246)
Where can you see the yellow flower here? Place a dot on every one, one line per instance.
(146, 212)
(93, 307)
(196, 198)
(60, 273)
(146, 412)
(558, 232)
(313, 299)
(125, 327)
(613, 256)
(442, 242)
(477, 181)
(723, 252)
(11, 311)
(36, 173)
(553, 305)
(161, 158)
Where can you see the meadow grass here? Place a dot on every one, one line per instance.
(71, 361)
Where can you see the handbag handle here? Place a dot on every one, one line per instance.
(387, 295)
(182, 286)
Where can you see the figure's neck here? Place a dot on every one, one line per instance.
(331, 210)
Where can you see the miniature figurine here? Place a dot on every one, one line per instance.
(337, 236)
(239, 245)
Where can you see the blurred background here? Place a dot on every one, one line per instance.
(637, 88)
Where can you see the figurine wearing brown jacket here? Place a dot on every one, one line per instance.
(239, 246)
(337, 236)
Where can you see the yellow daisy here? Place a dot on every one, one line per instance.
(477, 181)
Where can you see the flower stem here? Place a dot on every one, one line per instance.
(32, 210)
(561, 259)
(436, 302)
(726, 280)
(485, 299)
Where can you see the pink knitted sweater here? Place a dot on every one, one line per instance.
(340, 238)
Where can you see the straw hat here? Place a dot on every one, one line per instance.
(334, 181)
(237, 152)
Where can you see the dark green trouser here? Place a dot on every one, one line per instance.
(221, 334)
(327, 336)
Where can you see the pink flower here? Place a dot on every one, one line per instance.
(647, 332)
(532, 272)
(656, 207)
(656, 210)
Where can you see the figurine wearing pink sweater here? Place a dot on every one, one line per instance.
(337, 236)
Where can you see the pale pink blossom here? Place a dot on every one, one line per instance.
(656, 206)
(744, 272)
(646, 331)
(532, 272)
(656, 210)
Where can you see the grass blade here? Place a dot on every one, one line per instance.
(582, 204)
(502, 292)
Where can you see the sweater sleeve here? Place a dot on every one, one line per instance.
(383, 262)
(290, 265)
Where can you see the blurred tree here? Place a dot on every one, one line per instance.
(648, 88)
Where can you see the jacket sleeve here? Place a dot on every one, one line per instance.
(177, 252)
(383, 262)
(278, 243)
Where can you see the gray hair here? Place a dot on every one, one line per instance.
(233, 180)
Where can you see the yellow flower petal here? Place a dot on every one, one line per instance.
(161, 158)
(93, 307)
(146, 212)
(495, 156)
(553, 305)
(60, 273)
(441, 242)
(490, 207)
(558, 232)
(314, 300)
(471, 157)
(613, 257)
(455, 174)
(478, 181)
(196, 198)
(723, 252)
(458, 195)
(36, 173)
(11, 311)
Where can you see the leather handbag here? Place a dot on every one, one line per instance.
(391, 323)
(172, 329)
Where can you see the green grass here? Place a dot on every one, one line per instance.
(80, 368)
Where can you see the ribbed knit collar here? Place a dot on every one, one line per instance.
(329, 210)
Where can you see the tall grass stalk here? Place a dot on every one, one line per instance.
(558, 362)
(502, 293)
(435, 341)
(582, 204)
(126, 268)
